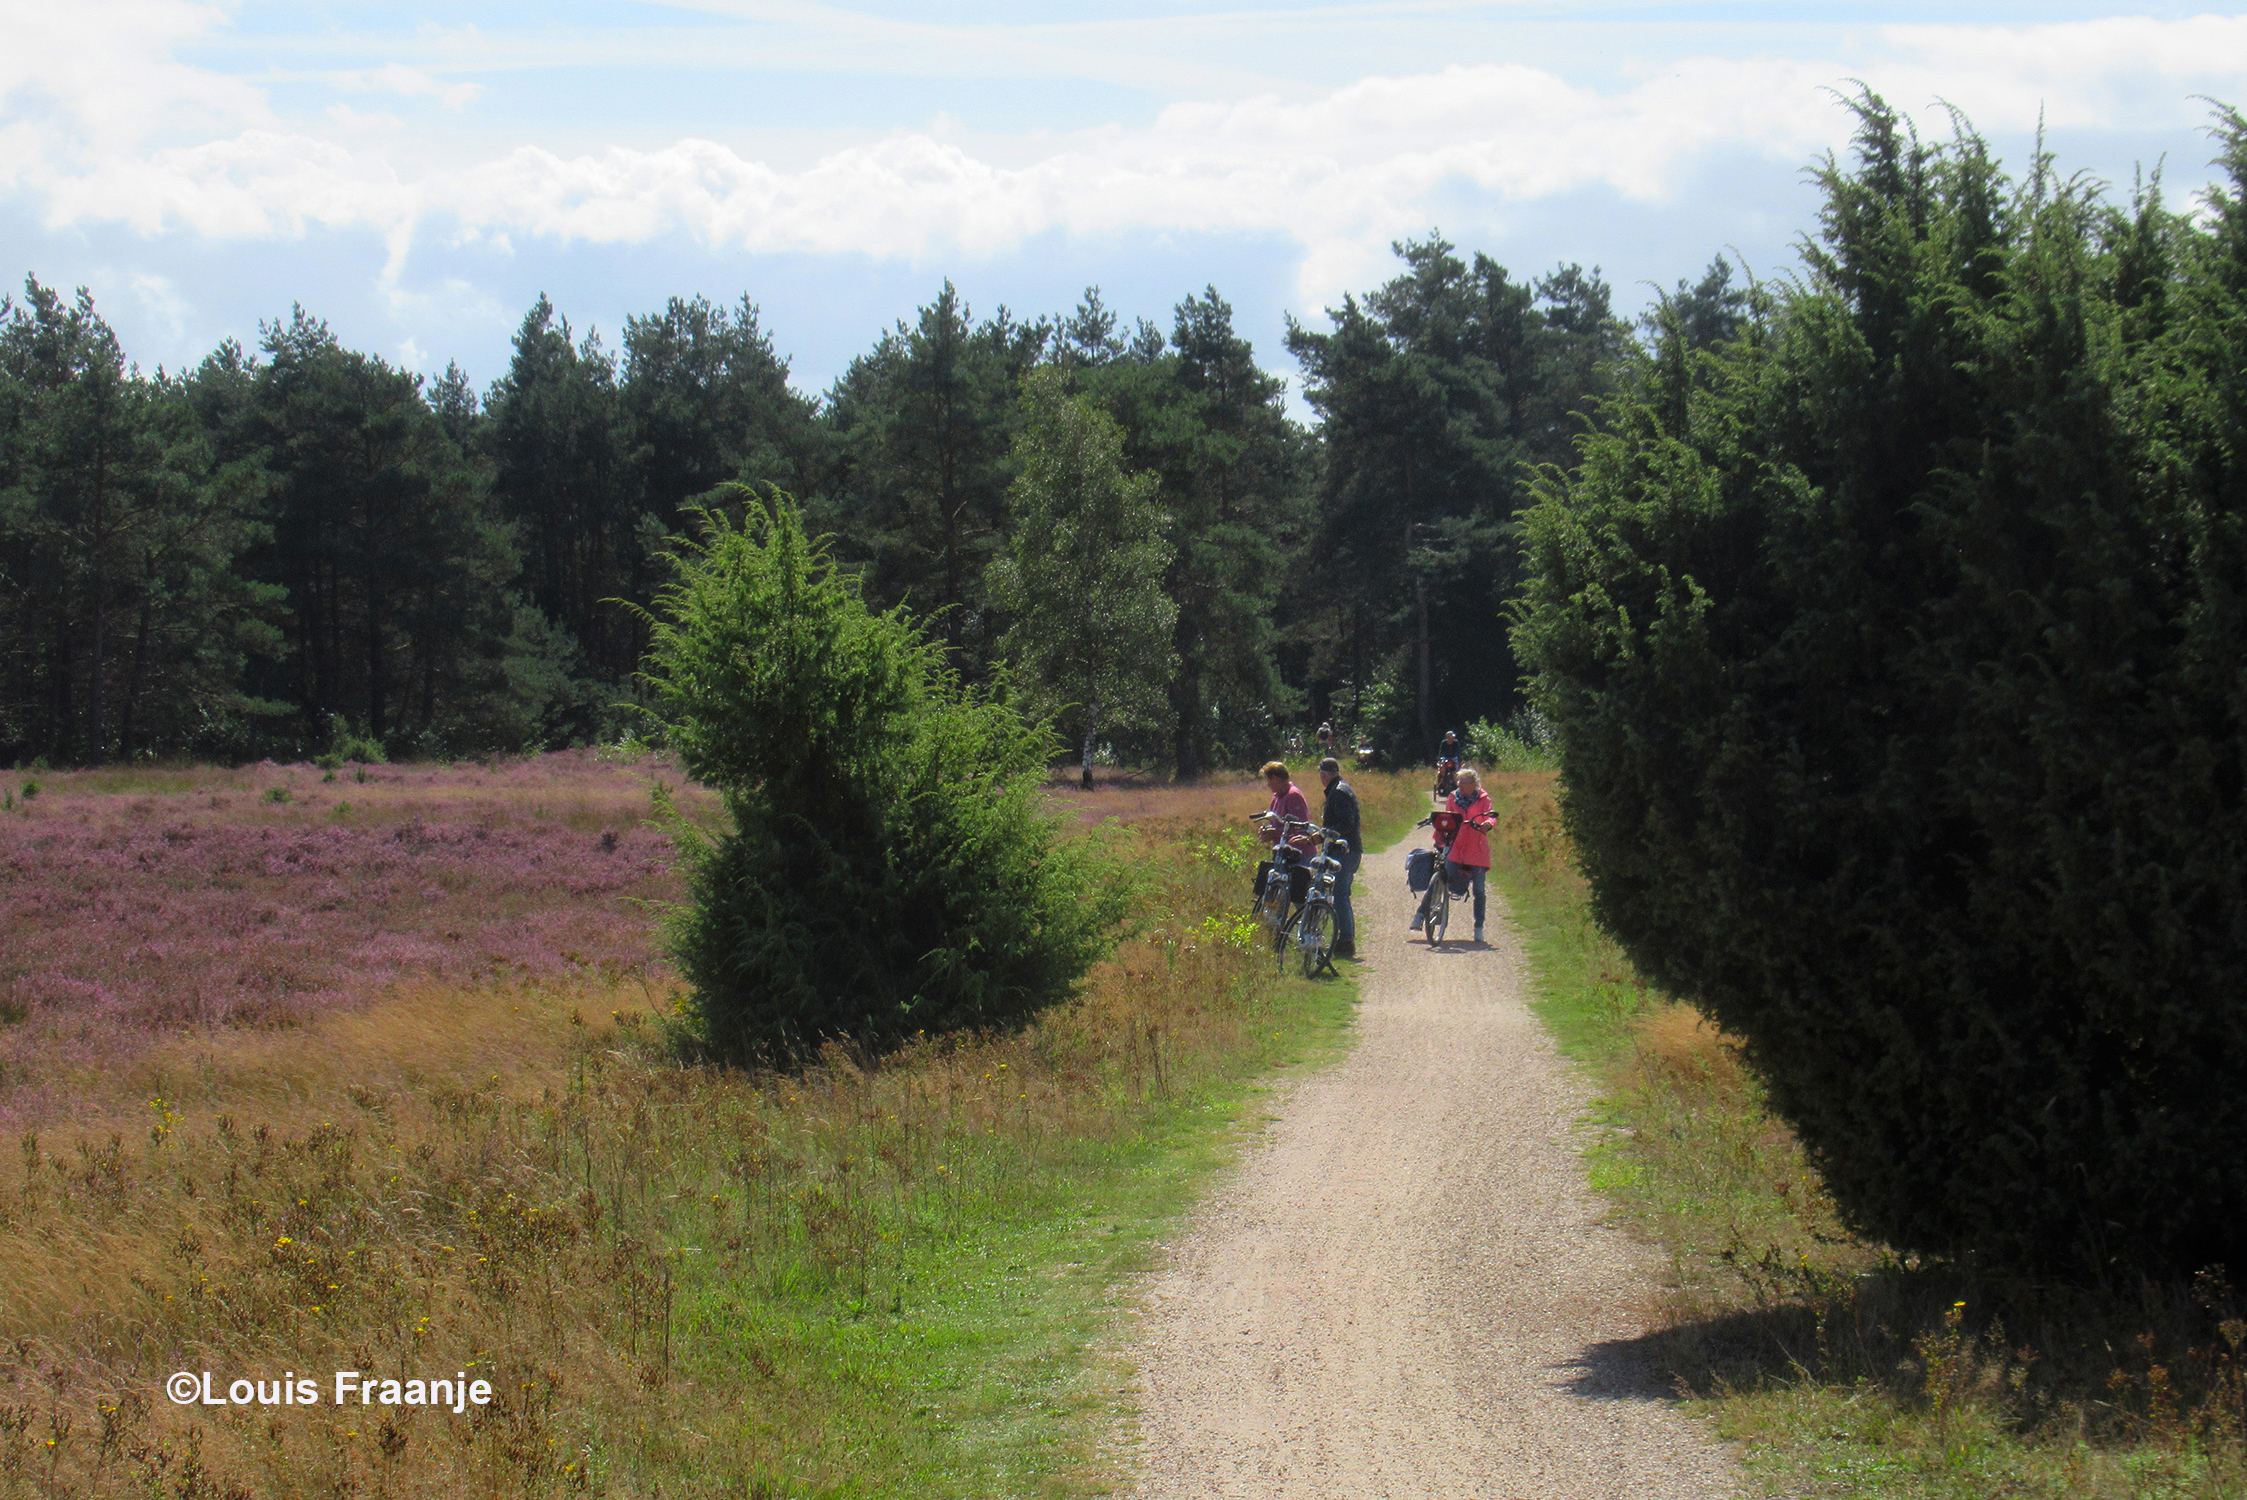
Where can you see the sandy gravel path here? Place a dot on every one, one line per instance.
(1406, 1290)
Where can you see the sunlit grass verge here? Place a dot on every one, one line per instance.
(896, 1279)
(1843, 1369)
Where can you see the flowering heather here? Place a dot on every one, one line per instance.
(135, 904)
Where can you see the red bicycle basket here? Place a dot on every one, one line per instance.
(1446, 825)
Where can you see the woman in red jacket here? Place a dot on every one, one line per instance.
(1470, 847)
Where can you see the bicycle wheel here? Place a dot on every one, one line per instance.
(1439, 909)
(1314, 937)
(1271, 910)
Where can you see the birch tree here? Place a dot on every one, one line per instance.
(1083, 580)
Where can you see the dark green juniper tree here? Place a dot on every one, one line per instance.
(891, 869)
(1894, 649)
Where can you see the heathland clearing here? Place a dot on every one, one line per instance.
(423, 1155)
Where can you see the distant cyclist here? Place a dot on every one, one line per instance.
(1449, 755)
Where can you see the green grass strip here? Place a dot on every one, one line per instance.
(990, 1361)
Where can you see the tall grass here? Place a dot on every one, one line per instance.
(1844, 1367)
(873, 1278)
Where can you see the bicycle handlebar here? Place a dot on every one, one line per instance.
(1273, 817)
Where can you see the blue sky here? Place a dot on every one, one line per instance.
(417, 175)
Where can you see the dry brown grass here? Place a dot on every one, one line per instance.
(1125, 798)
(1676, 1042)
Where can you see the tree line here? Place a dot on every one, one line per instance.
(298, 547)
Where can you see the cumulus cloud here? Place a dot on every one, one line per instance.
(1341, 173)
(99, 75)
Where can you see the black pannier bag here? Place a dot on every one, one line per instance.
(1461, 879)
(1299, 883)
(1419, 869)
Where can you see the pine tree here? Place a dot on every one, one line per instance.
(1438, 393)
(555, 432)
(707, 400)
(1235, 471)
(398, 580)
(925, 424)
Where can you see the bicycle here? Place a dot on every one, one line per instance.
(1313, 923)
(1435, 906)
(1276, 904)
(1447, 776)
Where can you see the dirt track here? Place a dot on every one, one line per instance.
(1406, 1290)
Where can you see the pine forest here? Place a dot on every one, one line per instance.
(300, 550)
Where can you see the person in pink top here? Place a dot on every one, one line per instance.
(1470, 847)
(1289, 802)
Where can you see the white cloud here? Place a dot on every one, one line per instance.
(161, 302)
(1341, 173)
(360, 122)
(397, 78)
(101, 72)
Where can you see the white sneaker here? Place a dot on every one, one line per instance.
(1478, 932)
(1416, 919)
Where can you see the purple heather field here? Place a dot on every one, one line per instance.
(139, 904)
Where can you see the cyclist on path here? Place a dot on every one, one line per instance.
(1470, 848)
(1341, 815)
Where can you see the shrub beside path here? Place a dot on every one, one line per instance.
(1407, 1289)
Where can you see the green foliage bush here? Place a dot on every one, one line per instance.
(1522, 743)
(347, 744)
(890, 869)
(1894, 652)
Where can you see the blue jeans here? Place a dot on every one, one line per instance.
(1475, 875)
(1345, 924)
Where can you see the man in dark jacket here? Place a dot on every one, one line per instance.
(1341, 815)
